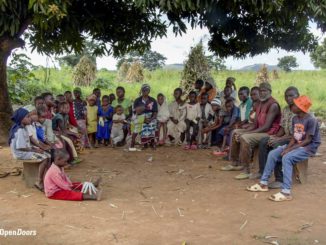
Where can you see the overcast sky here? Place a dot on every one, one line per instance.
(176, 48)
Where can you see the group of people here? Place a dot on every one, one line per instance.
(54, 131)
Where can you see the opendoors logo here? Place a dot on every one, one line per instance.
(18, 232)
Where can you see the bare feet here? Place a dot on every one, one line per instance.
(97, 182)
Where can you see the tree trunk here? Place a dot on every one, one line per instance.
(5, 104)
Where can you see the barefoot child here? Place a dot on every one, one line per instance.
(136, 125)
(91, 115)
(192, 119)
(20, 144)
(58, 186)
(119, 119)
(162, 117)
(304, 144)
(105, 113)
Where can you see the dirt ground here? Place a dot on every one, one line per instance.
(180, 196)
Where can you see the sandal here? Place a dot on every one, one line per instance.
(257, 188)
(280, 197)
(3, 174)
(15, 171)
(220, 153)
(187, 147)
(228, 168)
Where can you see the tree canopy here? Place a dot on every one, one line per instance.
(286, 63)
(150, 60)
(318, 56)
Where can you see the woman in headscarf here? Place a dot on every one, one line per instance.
(21, 146)
(149, 132)
(209, 88)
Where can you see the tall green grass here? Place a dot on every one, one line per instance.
(311, 83)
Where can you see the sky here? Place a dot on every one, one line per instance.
(176, 48)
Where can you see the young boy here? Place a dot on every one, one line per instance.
(176, 125)
(205, 119)
(304, 144)
(162, 118)
(193, 114)
(20, 144)
(58, 186)
(119, 119)
(60, 125)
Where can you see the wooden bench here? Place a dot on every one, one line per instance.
(30, 171)
(300, 170)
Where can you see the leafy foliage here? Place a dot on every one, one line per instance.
(150, 60)
(21, 79)
(84, 72)
(246, 27)
(196, 67)
(318, 56)
(216, 63)
(286, 63)
(102, 83)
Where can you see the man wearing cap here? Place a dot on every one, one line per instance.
(209, 88)
(267, 122)
(304, 144)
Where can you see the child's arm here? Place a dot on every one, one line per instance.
(60, 182)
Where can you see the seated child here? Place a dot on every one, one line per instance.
(136, 125)
(91, 116)
(304, 144)
(205, 120)
(60, 125)
(20, 144)
(231, 116)
(58, 186)
(105, 113)
(163, 116)
(193, 114)
(119, 119)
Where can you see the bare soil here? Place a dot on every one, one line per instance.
(180, 196)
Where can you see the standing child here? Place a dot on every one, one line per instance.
(60, 125)
(136, 125)
(21, 147)
(105, 113)
(91, 115)
(163, 116)
(58, 186)
(304, 144)
(205, 120)
(192, 119)
(119, 119)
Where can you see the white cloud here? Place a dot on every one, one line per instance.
(176, 48)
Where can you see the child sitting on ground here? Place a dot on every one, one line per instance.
(192, 119)
(58, 186)
(105, 113)
(20, 144)
(304, 144)
(91, 116)
(163, 116)
(119, 119)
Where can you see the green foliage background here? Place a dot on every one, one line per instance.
(311, 83)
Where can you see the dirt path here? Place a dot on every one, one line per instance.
(178, 196)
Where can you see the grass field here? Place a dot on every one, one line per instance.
(311, 83)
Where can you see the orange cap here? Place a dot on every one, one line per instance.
(303, 103)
